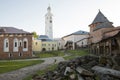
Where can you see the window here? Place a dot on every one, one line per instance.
(52, 44)
(20, 54)
(6, 45)
(50, 21)
(10, 55)
(25, 44)
(49, 49)
(15, 44)
(82, 43)
(20, 43)
(15, 47)
(43, 44)
(36, 43)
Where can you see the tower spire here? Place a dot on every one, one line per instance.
(49, 8)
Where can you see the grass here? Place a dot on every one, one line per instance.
(7, 66)
(75, 53)
(72, 53)
(50, 68)
(42, 72)
(49, 54)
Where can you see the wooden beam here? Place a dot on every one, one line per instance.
(84, 72)
(107, 71)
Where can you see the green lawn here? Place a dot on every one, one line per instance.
(72, 53)
(49, 54)
(76, 53)
(6, 66)
(41, 72)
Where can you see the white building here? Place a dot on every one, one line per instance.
(49, 23)
(71, 39)
(60, 43)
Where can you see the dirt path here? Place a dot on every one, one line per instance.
(23, 72)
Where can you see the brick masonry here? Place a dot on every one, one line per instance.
(14, 55)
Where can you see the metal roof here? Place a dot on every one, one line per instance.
(11, 30)
(44, 38)
(80, 32)
(104, 25)
(100, 18)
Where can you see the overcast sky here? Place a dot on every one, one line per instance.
(69, 15)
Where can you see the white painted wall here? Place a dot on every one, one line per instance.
(49, 23)
(60, 43)
(84, 41)
(75, 38)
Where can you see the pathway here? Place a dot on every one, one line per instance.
(23, 72)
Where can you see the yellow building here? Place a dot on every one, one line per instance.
(43, 43)
(49, 46)
(37, 45)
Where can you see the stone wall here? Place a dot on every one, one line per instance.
(85, 68)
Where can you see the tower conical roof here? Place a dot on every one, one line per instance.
(100, 18)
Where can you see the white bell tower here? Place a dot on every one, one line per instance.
(49, 23)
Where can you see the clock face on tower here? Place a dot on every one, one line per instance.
(50, 21)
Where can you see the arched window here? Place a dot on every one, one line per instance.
(25, 44)
(20, 43)
(10, 55)
(15, 45)
(20, 54)
(6, 45)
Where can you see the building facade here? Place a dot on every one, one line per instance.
(43, 43)
(104, 37)
(15, 43)
(60, 43)
(37, 45)
(49, 23)
(83, 43)
(73, 38)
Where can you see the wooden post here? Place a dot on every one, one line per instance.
(110, 48)
(118, 41)
(104, 49)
